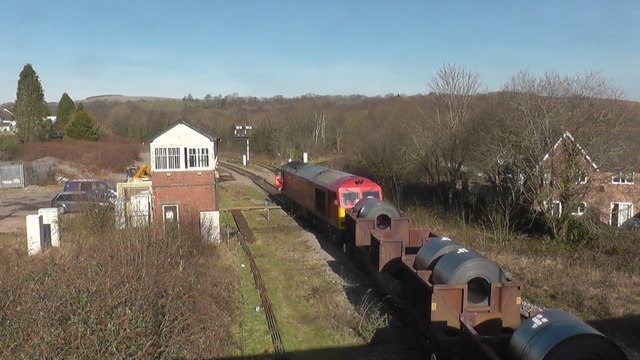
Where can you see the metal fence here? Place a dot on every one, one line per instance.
(40, 173)
(21, 175)
(12, 176)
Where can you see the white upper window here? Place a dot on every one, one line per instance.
(623, 177)
(167, 158)
(198, 157)
(580, 209)
(582, 178)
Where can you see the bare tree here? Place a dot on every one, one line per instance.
(385, 160)
(320, 124)
(442, 139)
(534, 158)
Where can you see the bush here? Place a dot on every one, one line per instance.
(8, 146)
(107, 293)
(577, 232)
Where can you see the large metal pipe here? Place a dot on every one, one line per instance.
(558, 335)
(463, 266)
(373, 208)
(432, 251)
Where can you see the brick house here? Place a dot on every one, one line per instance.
(183, 168)
(613, 188)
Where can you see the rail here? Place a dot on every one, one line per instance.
(246, 233)
(268, 187)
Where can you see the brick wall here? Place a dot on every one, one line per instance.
(192, 191)
(604, 192)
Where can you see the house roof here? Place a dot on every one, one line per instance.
(568, 137)
(621, 156)
(183, 121)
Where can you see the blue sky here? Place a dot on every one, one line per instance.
(291, 48)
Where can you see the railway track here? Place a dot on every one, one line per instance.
(274, 169)
(247, 236)
(257, 179)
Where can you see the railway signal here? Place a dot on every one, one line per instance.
(243, 132)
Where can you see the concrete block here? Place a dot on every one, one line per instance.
(34, 234)
(51, 226)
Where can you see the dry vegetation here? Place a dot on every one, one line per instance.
(113, 154)
(106, 293)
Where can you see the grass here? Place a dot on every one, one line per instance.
(234, 195)
(308, 300)
(250, 329)
(310, 314)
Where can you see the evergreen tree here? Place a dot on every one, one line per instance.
(66, 108)
(30, 108)
(83, 126)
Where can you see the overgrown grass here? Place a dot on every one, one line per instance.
(311, 311)
(135, 293)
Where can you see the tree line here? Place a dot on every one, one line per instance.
(474, 152)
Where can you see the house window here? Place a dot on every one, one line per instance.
(582, 178)
(623, 177)
(620, 212)
(556, 208)
(580, 209)
(167, 158)
(198, 157)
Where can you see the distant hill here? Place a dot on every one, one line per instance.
(124, 98)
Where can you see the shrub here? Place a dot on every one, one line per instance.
(577, 232)
(107, 293)
(8, 146)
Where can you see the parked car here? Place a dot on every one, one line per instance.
(57, 134)
(75, 201)
(631, 223)
(99, 189)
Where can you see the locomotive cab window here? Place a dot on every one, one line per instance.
(372, 193)
(350, 198)
(320, 200)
